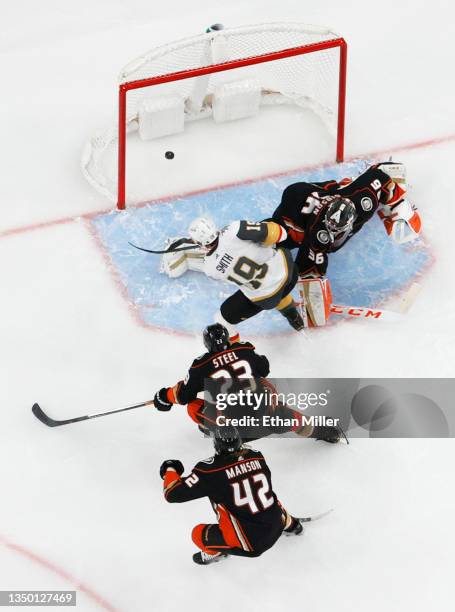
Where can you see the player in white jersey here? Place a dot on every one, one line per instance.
(246, 254)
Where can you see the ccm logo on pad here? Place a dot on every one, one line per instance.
(355, 312)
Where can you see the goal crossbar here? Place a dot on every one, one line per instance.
(124, 88)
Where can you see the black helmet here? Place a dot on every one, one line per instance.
(226, 440)
(340, 215)
(216, 338)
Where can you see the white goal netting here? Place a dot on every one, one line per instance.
(310, 81)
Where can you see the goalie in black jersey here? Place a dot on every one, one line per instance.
(321, 217)
(238, 363)
(238, 483)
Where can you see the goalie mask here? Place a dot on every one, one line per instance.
(340, 216)
(203, 231)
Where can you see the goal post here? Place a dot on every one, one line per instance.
(311, 75)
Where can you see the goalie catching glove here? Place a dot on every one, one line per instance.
(401, 219)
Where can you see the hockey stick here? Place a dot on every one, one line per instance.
(362, 312)
(173, 250)
(316, 517)
(47, 420)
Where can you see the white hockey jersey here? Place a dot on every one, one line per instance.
(259, 271)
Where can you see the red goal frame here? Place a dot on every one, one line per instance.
(124, 88)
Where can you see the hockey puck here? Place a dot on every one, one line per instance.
(169, 155)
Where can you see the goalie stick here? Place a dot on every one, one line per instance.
(47, 420)
(363, 312)
(172, 250)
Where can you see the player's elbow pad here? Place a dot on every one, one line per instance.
(277, 233)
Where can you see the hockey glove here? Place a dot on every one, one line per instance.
(173, 464)
(160, 400)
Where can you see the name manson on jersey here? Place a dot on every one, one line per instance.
(243, 468)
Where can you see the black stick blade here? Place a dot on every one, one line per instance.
(173, 249)
(41, 416)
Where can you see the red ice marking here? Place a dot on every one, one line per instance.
(113, 271)
(87, 216)
(123, 290)
(74, 582)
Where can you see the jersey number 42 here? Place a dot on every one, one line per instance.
(253, 492)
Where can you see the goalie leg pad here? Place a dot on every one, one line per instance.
(316, 296)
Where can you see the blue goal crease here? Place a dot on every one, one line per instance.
(369, 270)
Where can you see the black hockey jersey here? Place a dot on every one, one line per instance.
(304, 205)
(240, 360)
(239, 486)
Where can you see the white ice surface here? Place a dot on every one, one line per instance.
(87, 498)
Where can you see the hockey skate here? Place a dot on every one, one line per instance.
(293, 317)
(327, 434)
(202, 558)
(296, 528)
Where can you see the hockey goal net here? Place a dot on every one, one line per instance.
(221, 76)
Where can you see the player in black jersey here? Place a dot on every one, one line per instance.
(239, 363)
(238, 483)
(321, 217)
(223, 359)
